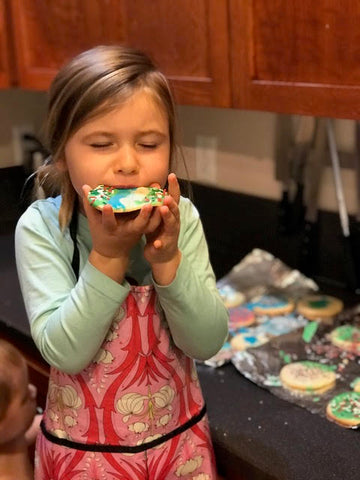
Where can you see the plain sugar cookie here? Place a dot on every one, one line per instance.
(346, 337)
(316, 307)
(125, 199)
(307, 377)
(344, 409)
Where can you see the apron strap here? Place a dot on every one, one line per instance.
(75, 262)
(123, 448)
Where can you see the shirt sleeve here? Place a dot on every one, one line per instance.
(197, 317)
(64, 315)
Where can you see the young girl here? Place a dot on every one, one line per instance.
(119, 304)
(18, 423)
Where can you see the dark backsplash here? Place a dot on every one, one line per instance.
(11, 184)
(235, 224)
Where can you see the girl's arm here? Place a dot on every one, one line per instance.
(196, 315)
(69, 319)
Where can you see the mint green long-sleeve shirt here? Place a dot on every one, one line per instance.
(70, 318)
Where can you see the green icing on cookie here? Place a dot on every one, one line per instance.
(309, 331)
(319, 366)
(285, 356)
(346, 406)
(355, 382)
(318, 303)
(347, 333)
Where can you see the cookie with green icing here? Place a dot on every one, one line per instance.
(347, 337)
(344, 409)
(125, 199)
(317, 307)
(355, 384)
(306, 377)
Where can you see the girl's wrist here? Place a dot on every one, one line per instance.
(113, 267)
(164, 273)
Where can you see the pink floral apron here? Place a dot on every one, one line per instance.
(136, 412)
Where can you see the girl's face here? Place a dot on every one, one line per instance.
(124, 148)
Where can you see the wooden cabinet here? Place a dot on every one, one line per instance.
(188, 39)
(6, 70)
(280, 55)
(296, 56)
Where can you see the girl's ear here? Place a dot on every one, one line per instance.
(61, 164)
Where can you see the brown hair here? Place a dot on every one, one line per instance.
(90, 84)
(10, 359)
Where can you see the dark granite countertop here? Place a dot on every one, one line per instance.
(256, 435)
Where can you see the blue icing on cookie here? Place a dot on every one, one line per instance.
(268, 301)
(251, 340)
(282, 324)
(115, 201)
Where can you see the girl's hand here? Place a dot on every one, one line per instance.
(114, 236)
(161, 249)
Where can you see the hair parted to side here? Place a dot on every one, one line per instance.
(10, 360)
(92, 83)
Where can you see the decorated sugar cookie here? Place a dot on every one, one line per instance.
(231, 297)
(223, 356)
(316, 307)
(247, 339)
(346, 337)
(281, 324)
(355, 384)
(344, 409)
(126, 199)
(306, 377)
(271, 305)
(240, 317)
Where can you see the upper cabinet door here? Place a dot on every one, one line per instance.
(188, 39)
(296, 56)
(6, 71)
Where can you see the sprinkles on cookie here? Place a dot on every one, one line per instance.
(125, 199)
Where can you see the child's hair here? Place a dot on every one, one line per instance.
(10, 360)
(93, 83)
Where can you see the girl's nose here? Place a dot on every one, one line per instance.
(126, 160)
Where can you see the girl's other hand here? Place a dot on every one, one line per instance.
(161, 249)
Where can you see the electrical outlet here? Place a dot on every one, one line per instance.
(206, 158)
(20, 149)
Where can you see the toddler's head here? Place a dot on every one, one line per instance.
(94, 83)
(17, 396)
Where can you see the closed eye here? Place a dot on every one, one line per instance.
(148, 145)
(100, 145)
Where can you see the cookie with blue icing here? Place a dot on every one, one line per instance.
(125, 199)
(271, 305)
(230, 296)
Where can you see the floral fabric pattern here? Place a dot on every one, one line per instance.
(139, 387)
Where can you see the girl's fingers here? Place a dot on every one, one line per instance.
(173, 207)
(108, 218)
(153, 222)
(171, 220)
(143, 218)
(174, 187)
